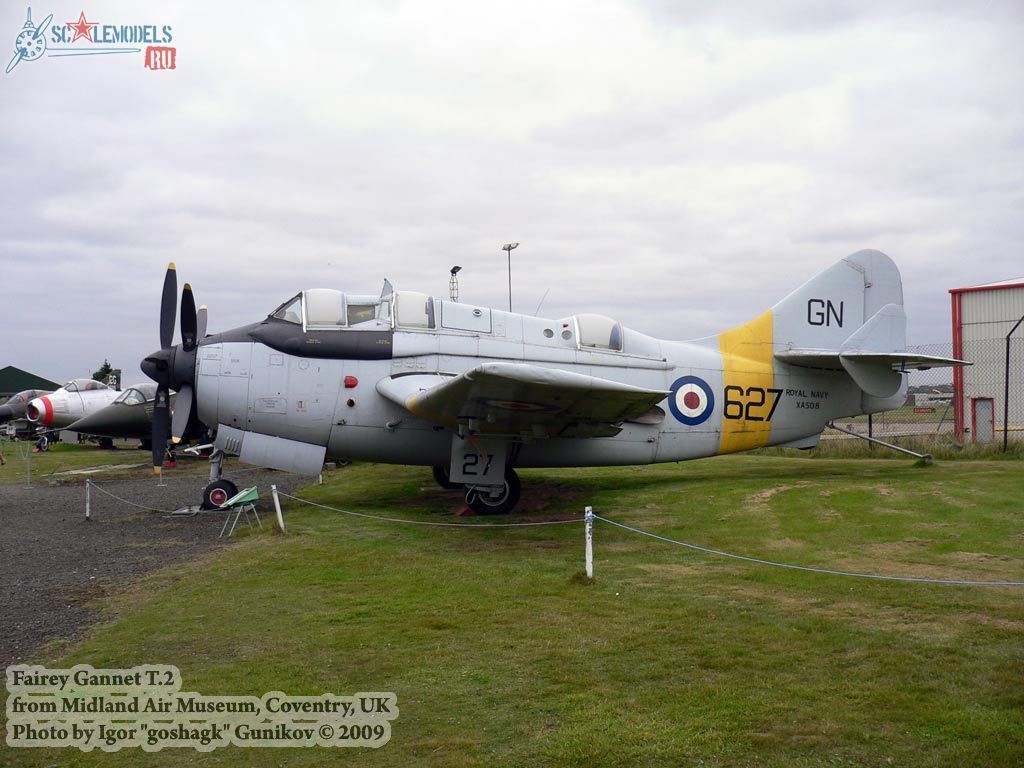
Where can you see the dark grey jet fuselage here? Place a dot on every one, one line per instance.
(130, 416)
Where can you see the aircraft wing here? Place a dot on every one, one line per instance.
(521, 399)
(898, 361)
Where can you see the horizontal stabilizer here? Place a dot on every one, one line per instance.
(905, 361)
(829, 359)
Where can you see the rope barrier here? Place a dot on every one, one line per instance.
(623, 526)
(826, 571)
(126, 501)
(431, 522)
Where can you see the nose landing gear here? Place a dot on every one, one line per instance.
(219, 490)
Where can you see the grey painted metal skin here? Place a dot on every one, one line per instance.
(832, 348)
(77, 398)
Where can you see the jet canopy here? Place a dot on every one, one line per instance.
(84, 385)
(137, 395)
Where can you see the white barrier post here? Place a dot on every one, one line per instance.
(88, 499)
(588, 527)
(277, 506)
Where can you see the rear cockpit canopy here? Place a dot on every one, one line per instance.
(599, 332)
(84, 385)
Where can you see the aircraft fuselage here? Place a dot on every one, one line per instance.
(258, 380)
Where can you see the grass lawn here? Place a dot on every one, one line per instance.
(500, 655)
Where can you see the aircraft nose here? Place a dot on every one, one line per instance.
(40, 410)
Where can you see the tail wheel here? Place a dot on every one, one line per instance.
(217, 492)
(483, 504)
(441, 478)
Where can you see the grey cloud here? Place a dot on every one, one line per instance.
(680, 166)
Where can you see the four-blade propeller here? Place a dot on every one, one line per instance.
(173, 367)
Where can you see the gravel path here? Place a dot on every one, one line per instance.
(53, 562)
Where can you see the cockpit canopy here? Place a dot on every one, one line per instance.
(599, 332)
(84, 385)
(324, 309)
(137, 395)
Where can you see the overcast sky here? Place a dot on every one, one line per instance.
(674, 165)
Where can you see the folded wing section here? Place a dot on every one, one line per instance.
(522, 399)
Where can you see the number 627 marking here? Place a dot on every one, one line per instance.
(744, 404)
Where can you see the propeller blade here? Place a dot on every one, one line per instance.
(182, 411)
(201, 324)
(168, 306)
(188, 319)
(161, 415)
(14, 61)
(42, 27)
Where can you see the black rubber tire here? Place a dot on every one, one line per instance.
(482, 505)
(217, 492)
(441, 478)
(146, 445)
(106, 443)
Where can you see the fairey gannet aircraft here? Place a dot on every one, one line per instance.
(473, 392)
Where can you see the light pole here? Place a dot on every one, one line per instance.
(507, 247)
(453, 283)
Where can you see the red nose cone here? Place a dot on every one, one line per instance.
(48, 414)
(351, 382)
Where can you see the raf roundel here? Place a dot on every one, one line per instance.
(691, 400)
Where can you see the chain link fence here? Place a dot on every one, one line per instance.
(947, 407)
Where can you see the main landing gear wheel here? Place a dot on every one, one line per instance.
(483, 504)
(217, 492)
(106, 443)
(441, 478)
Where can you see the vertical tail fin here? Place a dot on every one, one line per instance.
(830, 309)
